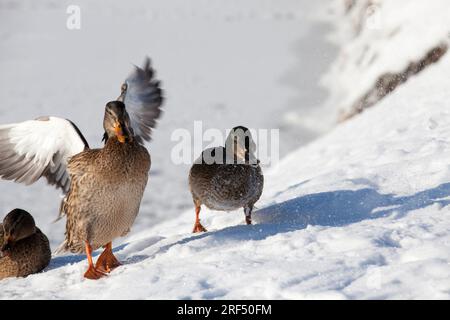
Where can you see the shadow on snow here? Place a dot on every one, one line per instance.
(333, 208)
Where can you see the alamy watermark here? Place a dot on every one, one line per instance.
(73, 21)
(373, 18)
(225, 146)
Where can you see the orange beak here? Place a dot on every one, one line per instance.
(119, 132)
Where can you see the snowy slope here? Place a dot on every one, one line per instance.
(376, 37)
(360, 213)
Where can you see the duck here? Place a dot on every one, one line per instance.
(227, 178)
(24, 249)
(102, 187)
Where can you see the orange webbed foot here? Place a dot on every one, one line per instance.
(93, 274)
(198, 228)
(107, 261)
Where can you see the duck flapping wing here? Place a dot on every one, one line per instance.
(39, 148)
(142, 96)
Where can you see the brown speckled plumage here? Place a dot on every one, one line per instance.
(26, 256)
(226, 186)
(105, 194)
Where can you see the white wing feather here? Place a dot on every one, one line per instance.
(36, 148)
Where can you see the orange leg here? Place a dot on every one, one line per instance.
(198, 226)
(107, 261)
(92, 273)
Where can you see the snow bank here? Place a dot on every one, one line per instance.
(378, 37)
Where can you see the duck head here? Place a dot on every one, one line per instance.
(117, 122)
(17, 225)
(241, 146)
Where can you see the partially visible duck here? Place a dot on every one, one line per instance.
(103, 187)
(24, 249)
(227, 178)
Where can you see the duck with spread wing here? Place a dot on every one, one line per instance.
(103, 187)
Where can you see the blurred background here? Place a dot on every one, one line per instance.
(297, 65)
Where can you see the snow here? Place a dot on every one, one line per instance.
(359, 213)
(376, 37)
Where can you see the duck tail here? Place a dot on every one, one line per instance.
(62, 210)
(63, 247)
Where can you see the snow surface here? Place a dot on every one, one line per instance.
(360, 213)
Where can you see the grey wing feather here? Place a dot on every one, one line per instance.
(143, 98)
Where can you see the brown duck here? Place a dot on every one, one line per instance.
(103, 187)
(227, 178)
(24, 249)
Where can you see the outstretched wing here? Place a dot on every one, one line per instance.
(39, 148)
(142, 97)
